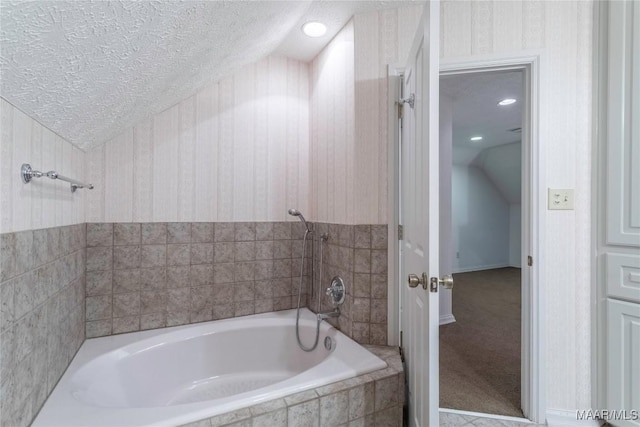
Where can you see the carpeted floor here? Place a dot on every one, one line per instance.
(480, 352)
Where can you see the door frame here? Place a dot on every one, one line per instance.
(533, 380)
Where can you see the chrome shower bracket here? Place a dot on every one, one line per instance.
(337, 291)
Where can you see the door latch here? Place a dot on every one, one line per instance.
(446, 282)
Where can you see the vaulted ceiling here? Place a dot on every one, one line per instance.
(89, 70)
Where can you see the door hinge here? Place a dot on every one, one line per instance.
(400, 232)
(529, 260)
(401, 352)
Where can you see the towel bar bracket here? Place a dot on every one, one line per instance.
(27, 174)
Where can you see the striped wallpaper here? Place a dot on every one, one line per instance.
(43, 203)
(561, 32)
(236, 151)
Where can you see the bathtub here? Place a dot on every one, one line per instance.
(173, 376)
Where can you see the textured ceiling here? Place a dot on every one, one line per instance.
(89, 70)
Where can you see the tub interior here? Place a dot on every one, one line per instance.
(200, 368)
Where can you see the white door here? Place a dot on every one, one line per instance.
(419, 215)
(619, 244)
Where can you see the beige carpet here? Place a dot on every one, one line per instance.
(480, 352)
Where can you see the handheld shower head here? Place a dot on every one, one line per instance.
(295, 212)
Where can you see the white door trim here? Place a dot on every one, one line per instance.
(533, 208)
(533, 344)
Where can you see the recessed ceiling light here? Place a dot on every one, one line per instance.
(475, 138)
(507, 101)
(314, 29)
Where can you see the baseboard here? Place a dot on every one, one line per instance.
(445, 319)
(479, 268)
(561, 418)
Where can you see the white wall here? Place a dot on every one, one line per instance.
(480, 216)
(332, 130)
(446, 225)
(561, 31)
(236, 151)
(44, 202)
(349, 108)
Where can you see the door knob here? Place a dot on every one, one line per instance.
(414, 280)
(446, 282)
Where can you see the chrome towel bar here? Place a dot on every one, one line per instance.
(28, 173)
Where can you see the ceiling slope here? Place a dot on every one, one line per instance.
(89, 70)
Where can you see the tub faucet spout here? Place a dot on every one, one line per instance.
(327, 314)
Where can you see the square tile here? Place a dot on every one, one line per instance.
(154, 233)
(282, 249)
(245, 231)
(264, 250)
(126, 280)
(153, 321)
(153, 255)
(244, 271)
(126, 324)
(334, 409)
(281, 231)
(379, 286)
(362, 237)
(305, 414)
(126, 304)
(179, 232)
(244, 251)
(178, 276)
(99, 328)
(202, 253)
(99, 234)
(224, 232)
(179, 254)
(99, 307)
(99, 282)
(244, 291)
(378, 311)
(100, 258)
(223, 273)
(223, 293)
(386, 392)
(202, 232)
(243, 308)
(379, 261)
(153, 301)
(178, 300)
(362, 262)
(264, 231)
(127, 234)
(379, 236)
(201, 298)
(153, 278)
(202, 275)
(224, 252)
(126, 257)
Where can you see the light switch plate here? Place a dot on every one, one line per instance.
(560, 199)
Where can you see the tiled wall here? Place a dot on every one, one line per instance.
(372, 399)
(357, 253)
(151, 275)
(41, 315)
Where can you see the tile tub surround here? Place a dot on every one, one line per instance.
(357, 253)
(372, 399)
(152, 275)
(42, 287)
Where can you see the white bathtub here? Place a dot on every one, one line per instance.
(168, 377)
